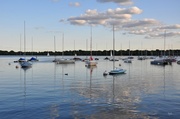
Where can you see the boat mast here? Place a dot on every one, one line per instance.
(164, 43)
(91, 42)
(54, 47)
(24, 40)
(113, 49)
(20, 45)
(63, 45)
(129, 49)
(74, 49)
(32, 46)
(86, 46)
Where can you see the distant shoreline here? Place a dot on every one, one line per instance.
(156, 52)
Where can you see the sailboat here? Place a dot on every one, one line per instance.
(48, 54)
(76, 58)
(33, 59)
(115, 70)
(161, 61)
(63, 60)
(128, 60)
(141, 57)
(20, 59)
(91, 61)
(25, 64)
(75, 55)
(113, 58)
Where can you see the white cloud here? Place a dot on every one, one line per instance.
(78, 22)
(162, 35)
(121, 18)
(121, 2)
(141, 23)
(132, 10)
(74, 4)
(175, 26)
(102, 18)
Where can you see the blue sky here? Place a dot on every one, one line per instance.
(138, 22)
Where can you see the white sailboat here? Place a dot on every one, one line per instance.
(112, 58)
(115, 70)
(128, 60)
(25, 64)
(63, 60)
(48, 54)
(76, 58)
(91, 61)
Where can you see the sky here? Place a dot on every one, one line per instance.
(139, 24)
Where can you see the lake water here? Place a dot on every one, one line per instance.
(45, 92)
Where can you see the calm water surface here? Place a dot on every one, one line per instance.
(45, 92)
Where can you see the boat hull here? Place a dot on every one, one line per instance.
(159, 62)
(64, 61)
(117, 71)
(91, 63)
(25, 64)
(127, 61)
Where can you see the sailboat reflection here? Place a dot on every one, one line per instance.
(90, 81)
(164, 79)
(25, 71)
(24, 88)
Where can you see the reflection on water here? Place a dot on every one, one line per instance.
(48, 90)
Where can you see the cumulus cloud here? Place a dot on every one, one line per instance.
(121, 2)
(122, 19)
(141, 23)
(155, 31)
(132, 10)
(74, 4)
(175, 26)
(78, 22)
(102, 18)
(161, 35)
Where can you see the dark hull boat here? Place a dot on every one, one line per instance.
(159, 62)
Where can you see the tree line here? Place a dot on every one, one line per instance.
(127, 52)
